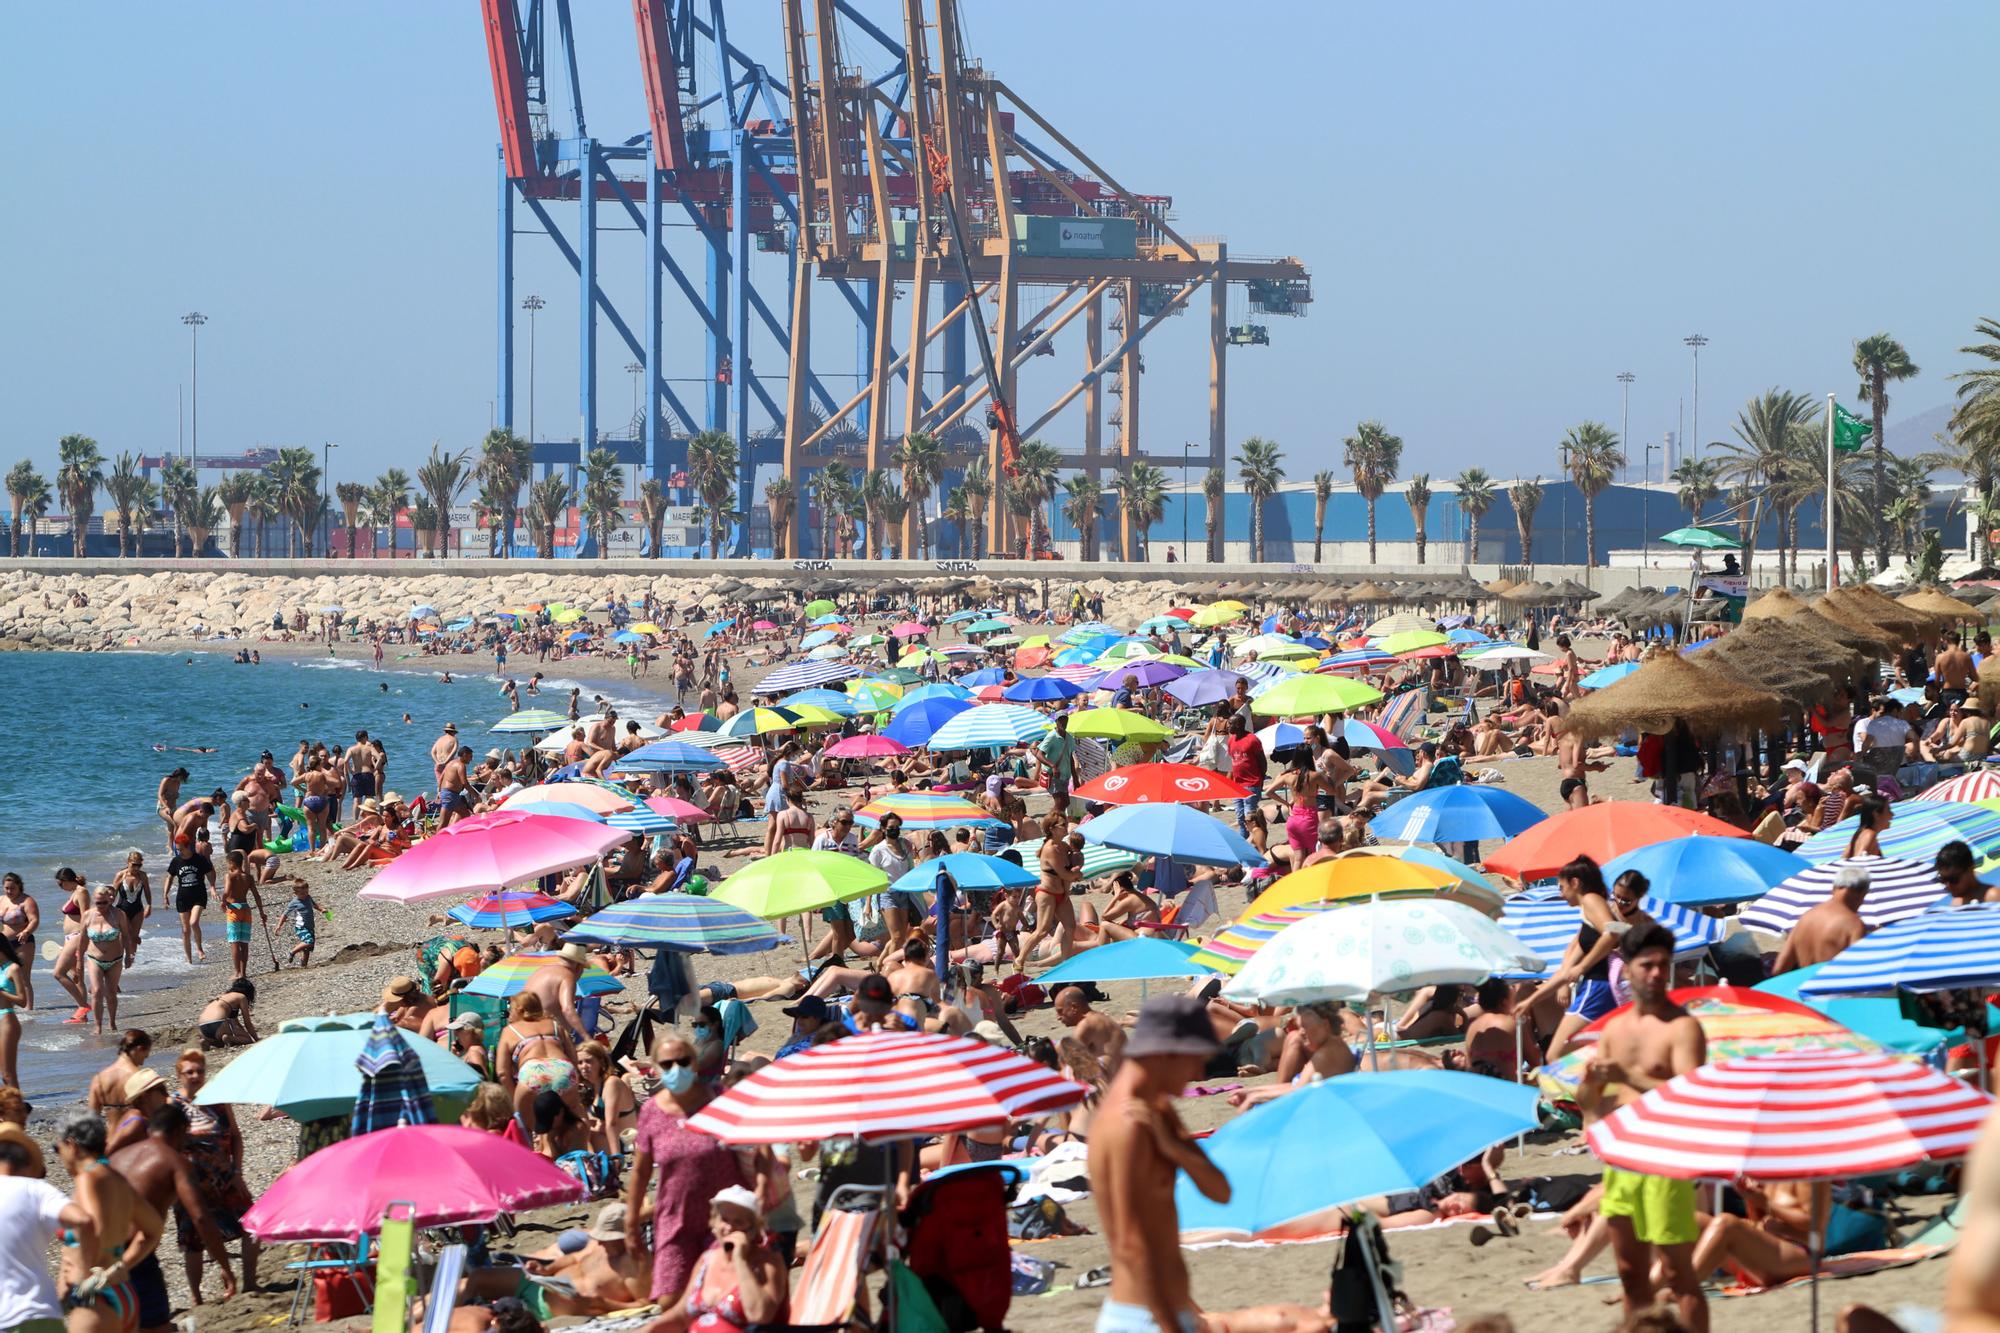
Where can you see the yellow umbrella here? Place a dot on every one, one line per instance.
(567, 616)
(919, 656)
(1210, 616)
(1233, 603)
(1362, 878)
(1035, 641)
(646, 627)
(1117, 724)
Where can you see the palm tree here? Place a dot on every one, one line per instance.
(261, 506)
(1372, 454)
(424, 521)
(548, 505)
(350, 494)
(977, 485)
(1878, 360)
(921, 458)
(79, 472)
(131, 495)
(653, 512)
(1975, 426)
(877, 485)
(1259, 469)
(602, 482)
(1526, 497)
(1418, 496)
(504, 463)
(957, 511)
(386, 499)
(1215, 491)
(1697, 482)
(234, 492)
(1760, 459)
(295, 477)
(1594, 458)
(712, 466)
(39, 497)
(440, 478)
(1022, 502)
(22, 482)
(178, 488)
(206, 512)
(1035, 468)
(781, 498)
(892, 507)
(1083, 505)
(830, 486)
(1475, 497)
(1142, 499)
(1322, 495)
(1909, 498)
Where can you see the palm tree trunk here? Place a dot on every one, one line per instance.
(1423, 538)
(1319, 530)
(1472, 540)
(14, 535)
(1877, 384)
(1371, 529)
(1589, 531)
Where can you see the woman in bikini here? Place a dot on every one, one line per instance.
(104, 954)
(95, 1277)
(1872, 817)
(739, 1281)
(12, 978)
(612, 1104)
(20, 918)
(535, 1056)
(68, 970)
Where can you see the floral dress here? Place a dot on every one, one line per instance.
(688, 1170)
(211, 1152)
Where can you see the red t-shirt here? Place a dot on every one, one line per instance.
(1246, 760)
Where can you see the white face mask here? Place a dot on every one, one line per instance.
(677, 1078)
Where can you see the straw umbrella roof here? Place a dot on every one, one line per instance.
(1498, 587)
(1937, 602)
(1529, 592)
(1369, 591)
(1777, 604)
(1870, 607)
(1975, 594)
(1787, 660)
(1669, 688)
(1571, 590)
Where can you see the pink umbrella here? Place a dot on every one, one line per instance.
(990, 694)
(673, 807)
(449, 1175)
(866, 746)
(763, 624)
(909, 628)
(490, 852)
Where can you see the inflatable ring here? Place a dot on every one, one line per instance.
(293, 813)
(276, 846)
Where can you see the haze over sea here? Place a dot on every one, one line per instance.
(82, 797)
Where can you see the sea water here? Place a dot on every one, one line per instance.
(92, 734)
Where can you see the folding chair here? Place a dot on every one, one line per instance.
(357, 1263)
(828, 1286)
(444, 1288)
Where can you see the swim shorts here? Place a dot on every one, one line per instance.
(149, 1284)
(1662, 1210)
(1592, 999)
(361, 784)
(236, 932)
(1118, 1317)
(186, 900)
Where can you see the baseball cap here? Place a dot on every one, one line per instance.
(874, 993)
(1172, 1025)
(810, 1006)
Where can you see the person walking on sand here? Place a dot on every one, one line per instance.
(239, 891)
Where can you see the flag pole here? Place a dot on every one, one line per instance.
(1832, 575)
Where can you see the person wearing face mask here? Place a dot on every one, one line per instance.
(692, 1168)
(710, 1055)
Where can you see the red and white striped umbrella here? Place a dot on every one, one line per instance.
(1804, 1115)
(886, 1085)
(1979, 785)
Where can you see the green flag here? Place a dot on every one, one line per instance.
(1850, 432)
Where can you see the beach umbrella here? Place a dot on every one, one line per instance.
(1462, 812)
(421, 611)
(960, 617)
(509, 907)
(597, 797)
(829, 618)
(1142, 784)
(646, 627)
(1897, 888)
(1364, 735)
(1138, 959)
(1609, 675)
(1236, 943)
(683, 922)
(1210, 616)
(1947, 948)
(1436, 860)
(799, 881)
(924, 810)
(1144, 674)
(1120, 724)
(1464, 637)
(680, 755)
(509, 977)
(674, 808)
(695, 722)
(1402, 622)
(991, 625)
(972, 680)
(833, 701)
(818, 638)
(764, 721)
(718, 627)
(1878, 1018)
(827, 653)
(627, 636)
(642, 819)
(308, 1070)
(1311, 695)
(1917, 831)
(1539, 918)
(1601, 832)
(866, 746)
(915, 725)
(394, 1090)
(531, 719)
(899, 676)
(874, 696)
(970, 871)
(566, 616)
(1412, 640)
(1701, 872)
(1295, 1162)
(1280, 737)
(987, 726)
(909, 629)
(1166, 624)
(935, 690)
(1700, 539)
(1346, 879)
(1497, 657)
(580, 636)
(805, 675)
(445, 1174)
(490, 852)
(1099, 860)
(819, 606)
(1175, 832)
(878, 1086)
(1363, 660)
(1385, 947)
(1040, 689)
(560, 809)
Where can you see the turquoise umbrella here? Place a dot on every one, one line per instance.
(307, 1069)
(684, 922)
(1128, 960)
(1878, 1018)
(1701, 538)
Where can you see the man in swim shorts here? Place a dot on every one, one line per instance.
(363, 768)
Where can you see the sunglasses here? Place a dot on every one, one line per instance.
(681, 1063)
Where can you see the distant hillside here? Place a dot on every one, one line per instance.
(1913, 434)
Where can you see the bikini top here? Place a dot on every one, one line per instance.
(14, 916)
(106, 935)
(717, 1316)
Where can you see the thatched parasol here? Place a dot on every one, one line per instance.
(1531, 593)
(1668, 688)
(1788, 660)
(1369, 591)
(1569, 590)
(1975, 594)
(1937, 602)
(1777, 604)
(1865, 604)
(1498, 587)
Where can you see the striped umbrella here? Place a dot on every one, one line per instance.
(1982, 784)
(533, 719)
(509, 907)
(509, 977)
(394, 1090)
(1080, 673)
(1917, 831)
(1540, 919)
(989, 726)
(763, 721)
(1799, 1116)
(683, 754)
(642, 819)
(1946, 949)
(923, 810)
(738, 758)
(1896, 889)
(805, 675)
(1098, 859)
(878, 1086)
(936, 690)
(1236, 942)
(684, 922)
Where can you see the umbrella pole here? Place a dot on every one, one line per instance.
(1521, 1139)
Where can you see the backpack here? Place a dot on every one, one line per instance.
(958, 1230)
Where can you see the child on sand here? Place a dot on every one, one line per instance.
(299, 914)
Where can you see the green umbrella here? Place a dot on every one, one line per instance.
(799, 881)
(820, 607)
(1117, 724)
(1307, 695)
(1701, 537)
(896, 675)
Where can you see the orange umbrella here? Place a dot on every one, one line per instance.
(1599, 832)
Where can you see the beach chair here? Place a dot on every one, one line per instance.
(335, 1260)
(492, 1011)
(445, 1277)
(828, 1286)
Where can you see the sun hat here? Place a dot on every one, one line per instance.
(141, 1083)
(398, 988)
(1173, 1025)
(610, 1223)
(738, 1197)
(575, 953)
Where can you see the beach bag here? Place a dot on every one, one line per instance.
(1021, 994)
(1040, 1219)
(338, 1294)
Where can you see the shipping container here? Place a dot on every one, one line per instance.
(1073, 237)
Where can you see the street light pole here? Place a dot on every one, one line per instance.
(531, 303)
(326, 490)
(1625, 378)
(1695, 342)
(1646, 506)
(1186, 448)
(194, 319)
(1565, 471)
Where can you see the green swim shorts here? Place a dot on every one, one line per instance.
(1662, 1210)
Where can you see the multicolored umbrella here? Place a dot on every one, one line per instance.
(490, 852)
(596, 797)
(509, 977)
(1236, 943)
(531, 719)
(1386, 947)
(764, 721)
(509, 907)
(684, 922)
(834, 701)
(393, 1088)
(1098, 860)
(1436, 860)
(874, 696)
(878, 1086)
(799, 881)
(1142, 784)
(923, 810)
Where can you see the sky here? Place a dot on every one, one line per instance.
(1503, 207)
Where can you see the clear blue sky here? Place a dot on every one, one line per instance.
(1504, 206)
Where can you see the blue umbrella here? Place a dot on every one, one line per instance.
(805, 675)
(1128, 960)
(1540, 919)
(1177, 832)
(1348, 1138)
(642, 819)
(1041, 689)
(462, 623)
(983, 676)
(1198, 689)
(683, 922)
(830, 618)
(1162, 625)
(971, 871)
(628, 636)
(936, 690)
(1077, 656)
(717, 628)
(668, 757)
(989, 726)
(1466, 636)
(576, 635)
(1879, 1019)
(957, 616)
(1608, 675)
(914, 725)
(1093, 629)
(308, 1070)
(1459, 813)
(1908, 695)
(1699, 872)
(393, 1088)
(1951, 948)
(1918, 830)
(834, 701)
(818, 637)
